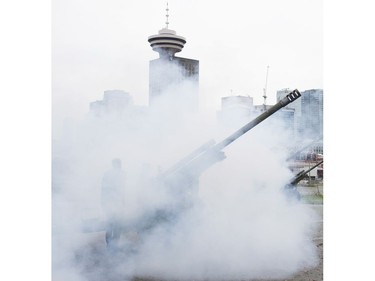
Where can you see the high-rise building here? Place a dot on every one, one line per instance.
(173, 80)
(296, 105)
(308, 112)
(238, 110)
(312, 112)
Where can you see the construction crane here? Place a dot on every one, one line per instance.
(265, 90)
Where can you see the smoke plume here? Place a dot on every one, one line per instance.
(241, 225)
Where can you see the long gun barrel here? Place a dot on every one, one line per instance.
(283, 102)
(302, 174)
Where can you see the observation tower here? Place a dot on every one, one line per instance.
(172, 80)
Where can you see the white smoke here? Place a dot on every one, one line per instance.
(241, 226)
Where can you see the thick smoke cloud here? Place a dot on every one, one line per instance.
(241, 225)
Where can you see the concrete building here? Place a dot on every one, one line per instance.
(308, 109)
(235, 109)
(312, 112)
(114, 102)
(173, 81)
(296, 106)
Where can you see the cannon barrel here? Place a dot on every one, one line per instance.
(302, 174)
(292, 96)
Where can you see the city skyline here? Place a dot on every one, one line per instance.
(101, 47)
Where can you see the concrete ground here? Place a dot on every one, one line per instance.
(311, 274)
(314, 274)
(312, 194)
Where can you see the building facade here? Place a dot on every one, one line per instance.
(296, 106)
(235, 109)
(312, 113)
(114, 102)
(308, 112)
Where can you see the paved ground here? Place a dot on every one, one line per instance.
(99, 259)
(315, 274)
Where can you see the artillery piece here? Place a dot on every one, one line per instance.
(301, 175)
(189, 169)
(182, 178)
(291, 187)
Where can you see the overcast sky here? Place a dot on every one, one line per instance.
(101, 45)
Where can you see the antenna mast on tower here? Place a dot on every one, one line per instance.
(265, 89)
(167, 16)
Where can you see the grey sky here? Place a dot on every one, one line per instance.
(102, 45)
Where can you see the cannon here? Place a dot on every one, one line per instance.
(301, 175)
(291, 187)
(182, 179)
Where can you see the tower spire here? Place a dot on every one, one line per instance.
(167, 42)
(167, 16)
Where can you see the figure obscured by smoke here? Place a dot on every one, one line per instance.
(112, 199)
